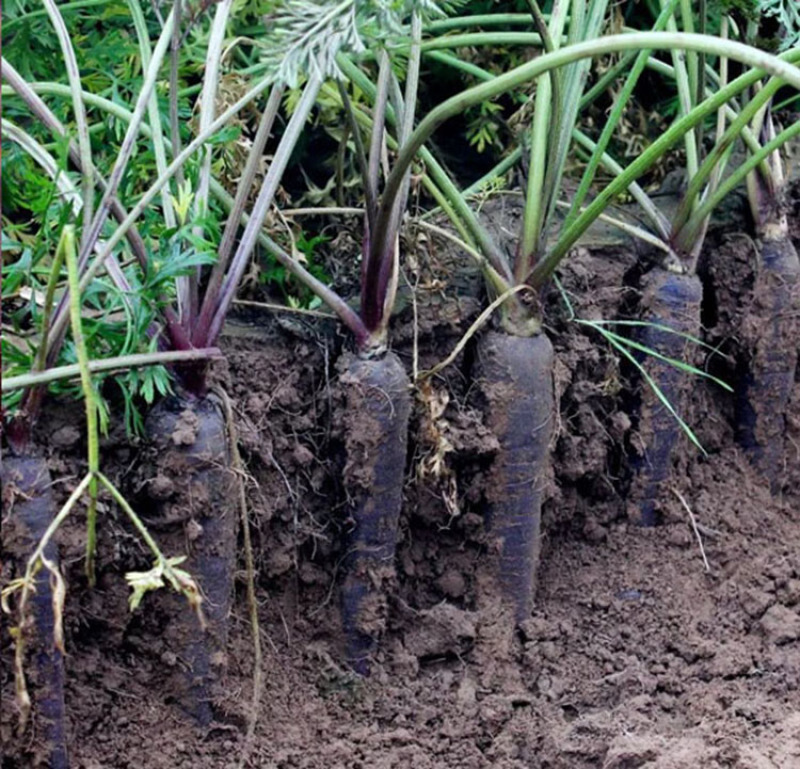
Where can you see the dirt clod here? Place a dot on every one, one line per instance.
(780, 625)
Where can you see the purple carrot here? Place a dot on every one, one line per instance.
(515, 375)
(673, 300)
(26, 480)
(192, 485)
(773, 326)
(378, 405)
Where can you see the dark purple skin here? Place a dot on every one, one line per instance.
(33, 511)
(516, 378)
(206, 485)
(673, 300)
(379, 402)
(764, 398)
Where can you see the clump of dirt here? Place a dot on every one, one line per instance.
(636, 653)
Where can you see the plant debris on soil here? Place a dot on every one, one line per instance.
(636, 654)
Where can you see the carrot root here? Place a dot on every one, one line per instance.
(194, 465)
(33, 512)
(772, 328)
(672, 300)
(378, 405)
(516, 380)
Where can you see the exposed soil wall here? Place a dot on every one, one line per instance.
(635, 654)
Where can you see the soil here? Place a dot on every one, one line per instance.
(674, 647)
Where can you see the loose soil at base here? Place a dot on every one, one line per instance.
(636, 655)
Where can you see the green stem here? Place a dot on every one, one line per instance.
(84, 143)
(468, 68)
(707, 206)
(721, 113)
(344, 312)
(480, 20)
(467, 215)
(683, 74)
(712, 162)
(106, 203)
(129, 140)
(153, 116)
(443, 205)
(760, 62)
(439, 176)
(632, 230)
(621, 101)
(156, 187)
(386, 287)
(43, 114)
(67, 246)
(371, 203)
(52, 282)
(692, 62)
(657, 219)
(174, 92)
(570, 235)
(117, 363)
(135, 520)
(263, 202)
(699, 86)
(475, 39)
(747, 135)
(786, 103)
(585, 24)
(65, 8)
(188, 284)
(378, 126)
(607, 78)
(438, 26)
(191, 595)
(243, 188)
(543, 135)
(341, 308)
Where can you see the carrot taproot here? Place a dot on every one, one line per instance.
(771, 331)
(669, 300)
(515, 376)
(193, 487)
(27, 487)
(378, 406)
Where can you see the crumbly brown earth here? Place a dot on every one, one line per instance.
(636, 654)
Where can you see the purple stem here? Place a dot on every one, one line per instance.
(268, 189)
(211, 296)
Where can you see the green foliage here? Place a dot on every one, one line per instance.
(787, 14)
(115, 323)
(146, 383)
(306, 35)
(305, 249)
(301, 35)
(142, 582)
(483, 129)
